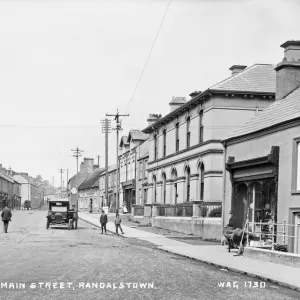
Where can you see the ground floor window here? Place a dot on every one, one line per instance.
(255, 201)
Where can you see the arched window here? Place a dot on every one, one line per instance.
(177, 137)
(164, 194)
(174, 178)
(201, 126)
(154, 189)
(201, 177)
(188, 133)
(187, 183)
(164, 143)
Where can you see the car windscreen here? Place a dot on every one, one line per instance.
(58, 206)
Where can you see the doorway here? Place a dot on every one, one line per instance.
(297, 234)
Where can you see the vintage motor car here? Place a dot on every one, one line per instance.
(60, 214)
(27, 205)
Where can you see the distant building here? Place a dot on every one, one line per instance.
(128, 168)
(89, 190)
(29, 190)
(111, 200)
(86, 169)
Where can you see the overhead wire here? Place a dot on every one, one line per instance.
(149, 55)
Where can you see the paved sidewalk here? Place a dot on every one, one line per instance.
(215, 254)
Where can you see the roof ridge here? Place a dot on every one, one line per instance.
(232, 76)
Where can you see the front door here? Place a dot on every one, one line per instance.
(297, 234)
(241, 207)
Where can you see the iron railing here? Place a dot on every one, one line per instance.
(210, 209)
(179, 210)
(138, 210)
(273, 236)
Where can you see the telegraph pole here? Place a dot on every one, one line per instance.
(106, 128)
(67, 180)
(61, 171)
(77, 153)
(118, 128)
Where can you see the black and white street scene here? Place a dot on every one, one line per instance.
(150, 149)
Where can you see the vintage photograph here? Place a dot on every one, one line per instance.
(150, 149)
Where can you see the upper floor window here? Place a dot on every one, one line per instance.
(155, 147)
(145, 168)
(177, 136)
(164, 143)
(141, 170)
(201, 126)
(128, 171)
(298, 167)
(188, 133)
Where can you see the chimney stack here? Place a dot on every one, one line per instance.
(236, 69)
(288, 71)
(88, 164)
(194, 94)
(176, 102)
(153, 118)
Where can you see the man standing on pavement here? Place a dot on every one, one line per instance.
(118, 224)
(6, 217)
(103, 221)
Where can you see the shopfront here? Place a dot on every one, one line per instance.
(254, 189)
(129, 194)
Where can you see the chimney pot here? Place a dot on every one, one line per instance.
(153, 118)
(236, 69)
(176, 102)
(288, 71)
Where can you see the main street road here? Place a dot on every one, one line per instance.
(31, 254)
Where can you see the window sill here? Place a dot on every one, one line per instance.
(295, 192)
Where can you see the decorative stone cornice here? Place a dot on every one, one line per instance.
(208, 151)
(194, 175)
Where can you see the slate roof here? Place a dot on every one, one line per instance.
(256, 78)
(91, 180)
(144, 155)
(7, 177)
(280, 111)
(137, 135)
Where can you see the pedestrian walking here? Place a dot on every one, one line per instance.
(118, 224)
(103, 221)
(6, 217)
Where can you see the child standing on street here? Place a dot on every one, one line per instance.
(118, 224)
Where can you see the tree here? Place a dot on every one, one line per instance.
(39, 178)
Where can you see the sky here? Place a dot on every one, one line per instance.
(65, 64)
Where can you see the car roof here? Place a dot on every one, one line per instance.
(59, 200)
